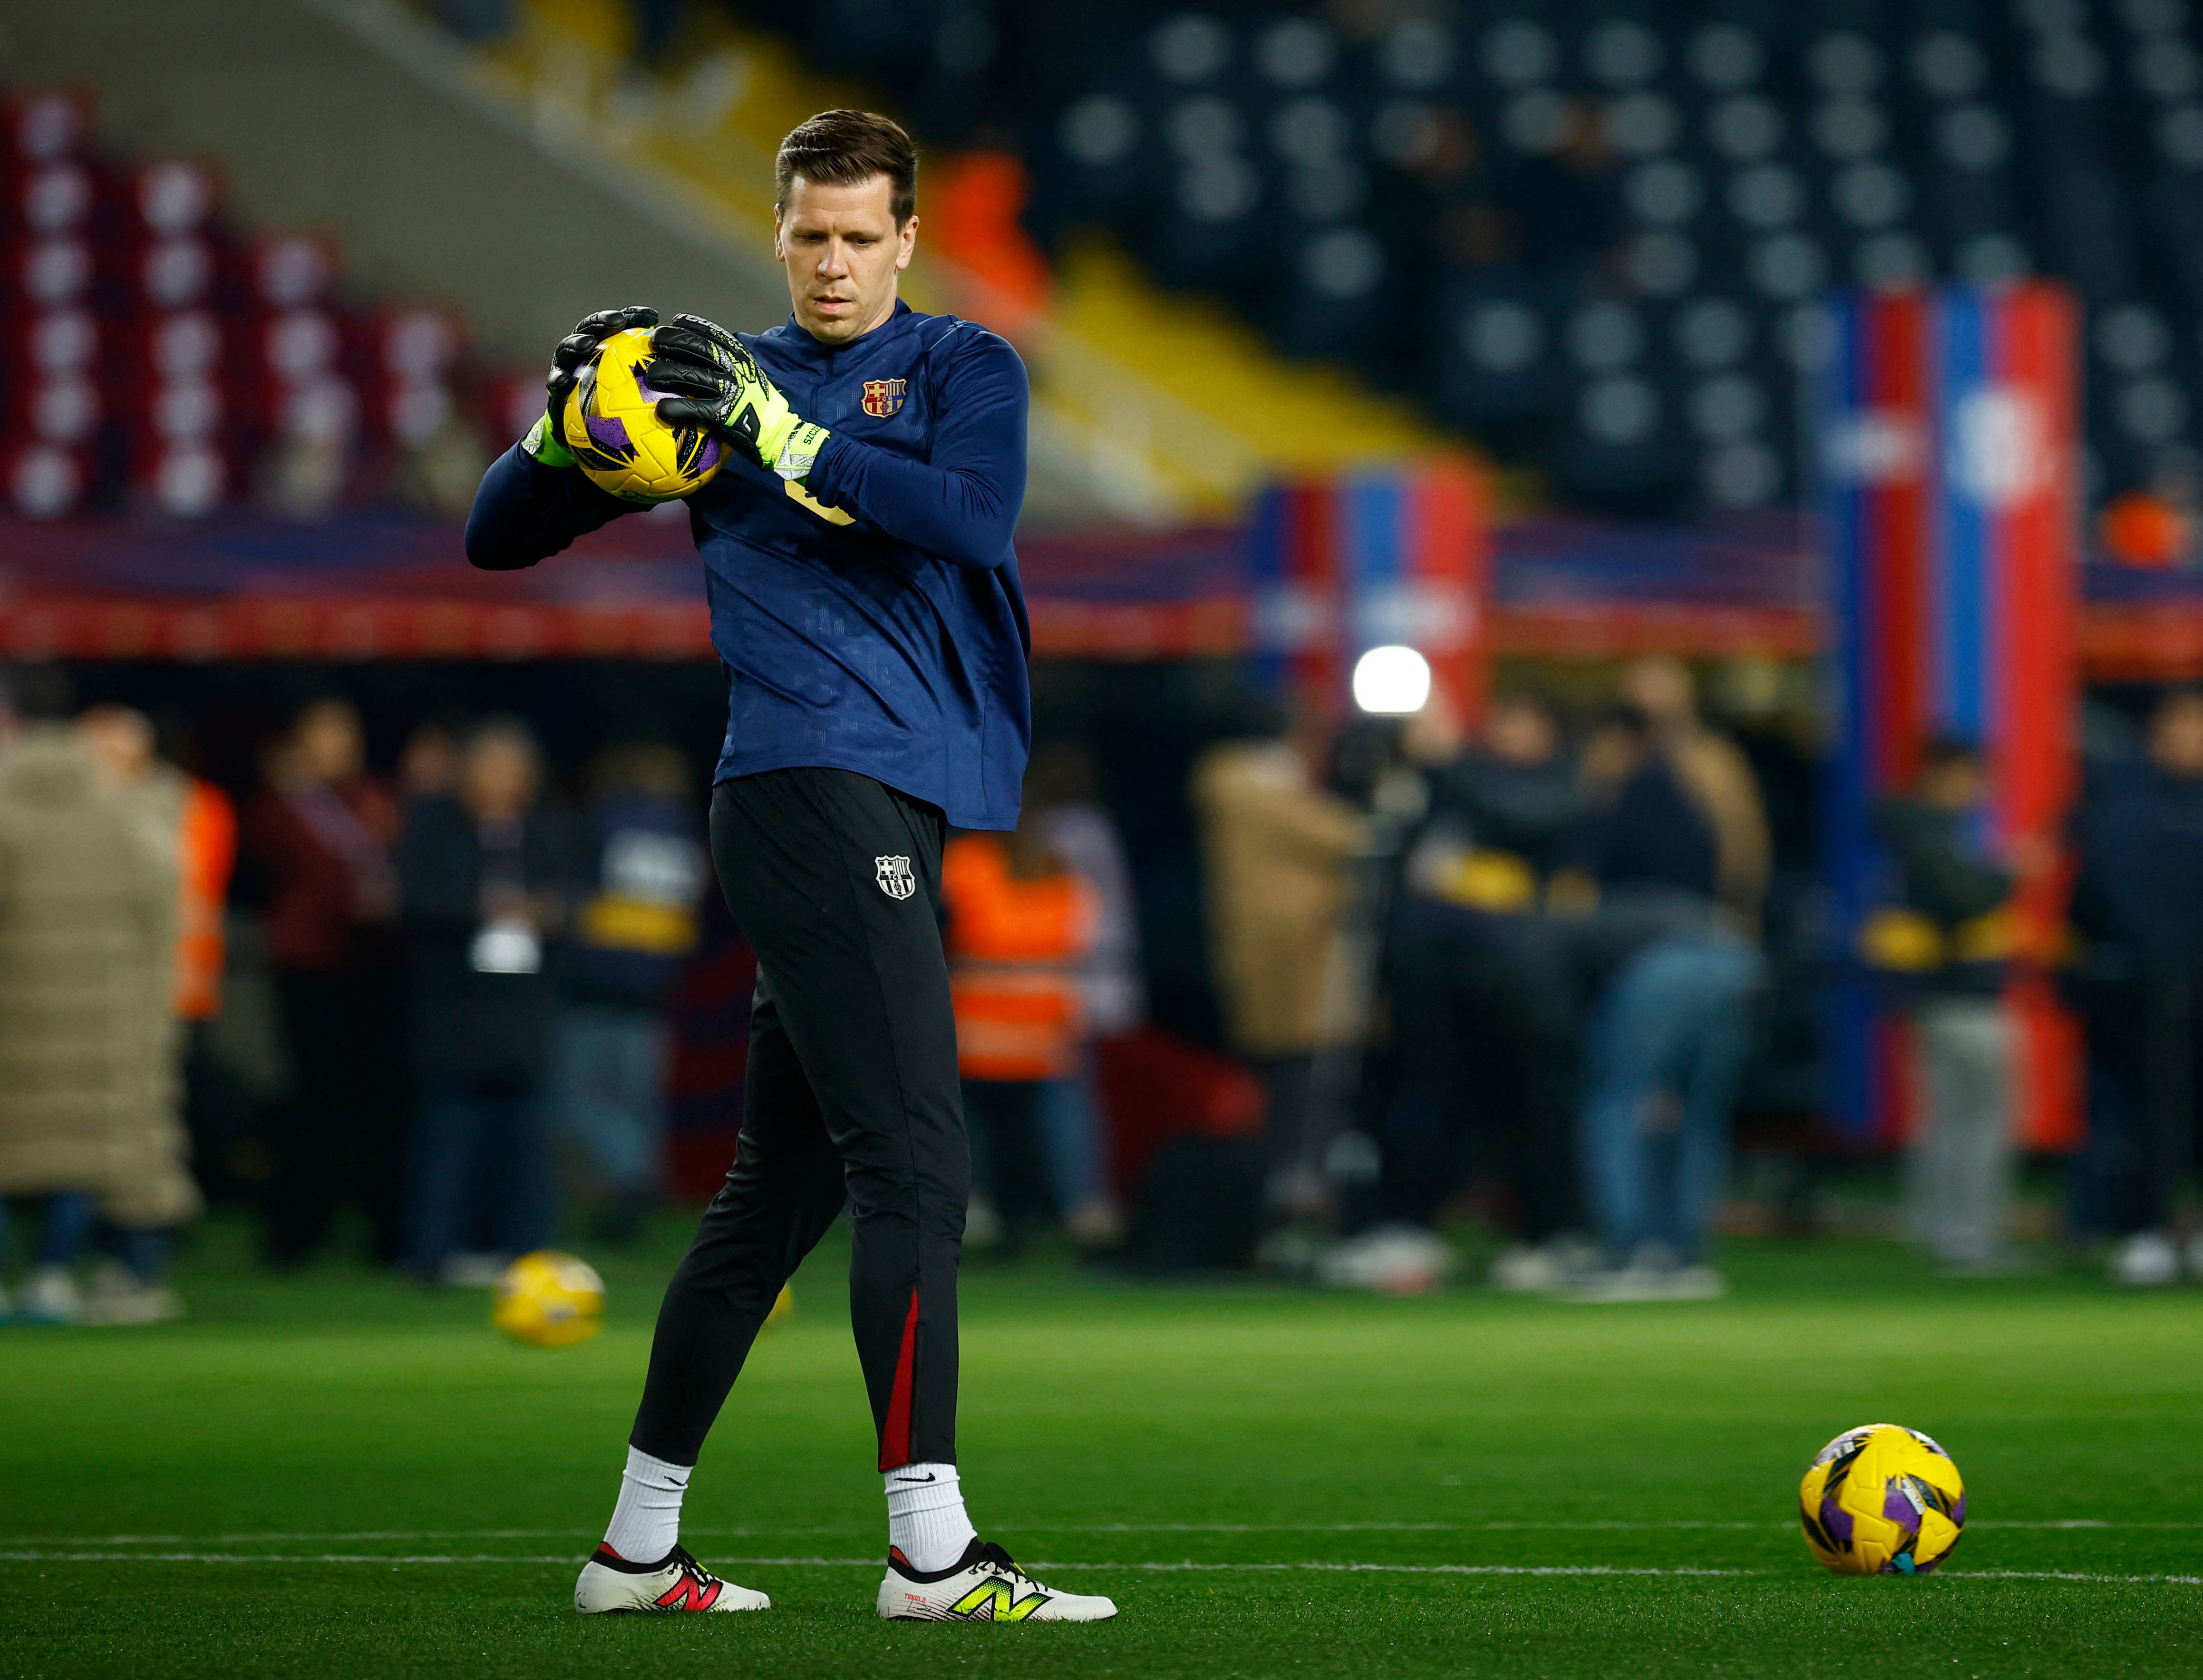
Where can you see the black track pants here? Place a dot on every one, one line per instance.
(852, 1095)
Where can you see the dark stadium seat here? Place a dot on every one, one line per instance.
(1374, 195)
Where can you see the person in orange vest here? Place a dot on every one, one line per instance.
(206, 854)
(1020, 924)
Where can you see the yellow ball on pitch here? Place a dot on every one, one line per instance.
(1882, 1499)
(610, 423)
(549, 1299)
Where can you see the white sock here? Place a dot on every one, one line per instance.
(925, 1516)
(646, 1523)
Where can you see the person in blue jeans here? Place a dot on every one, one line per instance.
(1669, 860)
(1665, 1049)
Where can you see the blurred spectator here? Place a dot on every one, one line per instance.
(1077, 829)
(2138, 907)
(1020, 925)
(429, 764)
(197, 820)
(1958, 1167)
(1482, 1006)
(174, 813)
(320, 836)
(1671, 857)
(483, 877)
(1684, 809)
(1275, 850)
(87, 1039)
(644, 872)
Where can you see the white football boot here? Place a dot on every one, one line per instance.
(982, 1586)
(610, 1582)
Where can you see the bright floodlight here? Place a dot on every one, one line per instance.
(1392, 682)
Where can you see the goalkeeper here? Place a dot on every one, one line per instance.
(865, 606)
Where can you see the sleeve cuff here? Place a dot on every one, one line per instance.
(823, 479)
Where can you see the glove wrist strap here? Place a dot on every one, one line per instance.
(799, 453)
(544, 446)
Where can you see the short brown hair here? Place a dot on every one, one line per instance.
(848, 149)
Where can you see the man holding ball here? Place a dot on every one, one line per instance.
(866, 608)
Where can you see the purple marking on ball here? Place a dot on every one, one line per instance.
(609, 434)
(1900, 1509)
(708, 459)
(1958, 1511)
(1835, 1519)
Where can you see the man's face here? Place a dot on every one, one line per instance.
(843, 252)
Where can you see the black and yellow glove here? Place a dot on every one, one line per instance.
(546, 441)
(721, 386)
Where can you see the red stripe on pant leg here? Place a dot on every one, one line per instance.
(895, 1435)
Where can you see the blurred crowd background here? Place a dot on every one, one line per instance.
(1263, 991)
(364, 902)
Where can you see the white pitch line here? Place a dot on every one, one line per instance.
(391, 1558)
(2064, 1574)
(1595, 1527)
(395, 1560)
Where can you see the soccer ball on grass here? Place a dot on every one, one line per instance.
(1882, 1499)
(549, 1299)
(610, 423)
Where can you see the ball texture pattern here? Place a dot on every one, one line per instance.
(610, 423)
(1882, 1499)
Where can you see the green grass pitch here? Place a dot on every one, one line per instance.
(339, 1476)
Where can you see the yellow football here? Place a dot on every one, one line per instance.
(549, 1299)
(1882, 1499)
(610, 423)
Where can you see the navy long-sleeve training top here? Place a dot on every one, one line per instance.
(872, 620)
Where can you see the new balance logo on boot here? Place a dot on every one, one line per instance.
(610, 1582)
(983, 1585)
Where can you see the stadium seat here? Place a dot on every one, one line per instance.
(158, 358)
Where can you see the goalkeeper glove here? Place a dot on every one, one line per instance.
(546, 440)
(721, 385)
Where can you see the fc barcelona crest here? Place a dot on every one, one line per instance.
(883, 397)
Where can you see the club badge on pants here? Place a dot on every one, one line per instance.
(895, 878)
